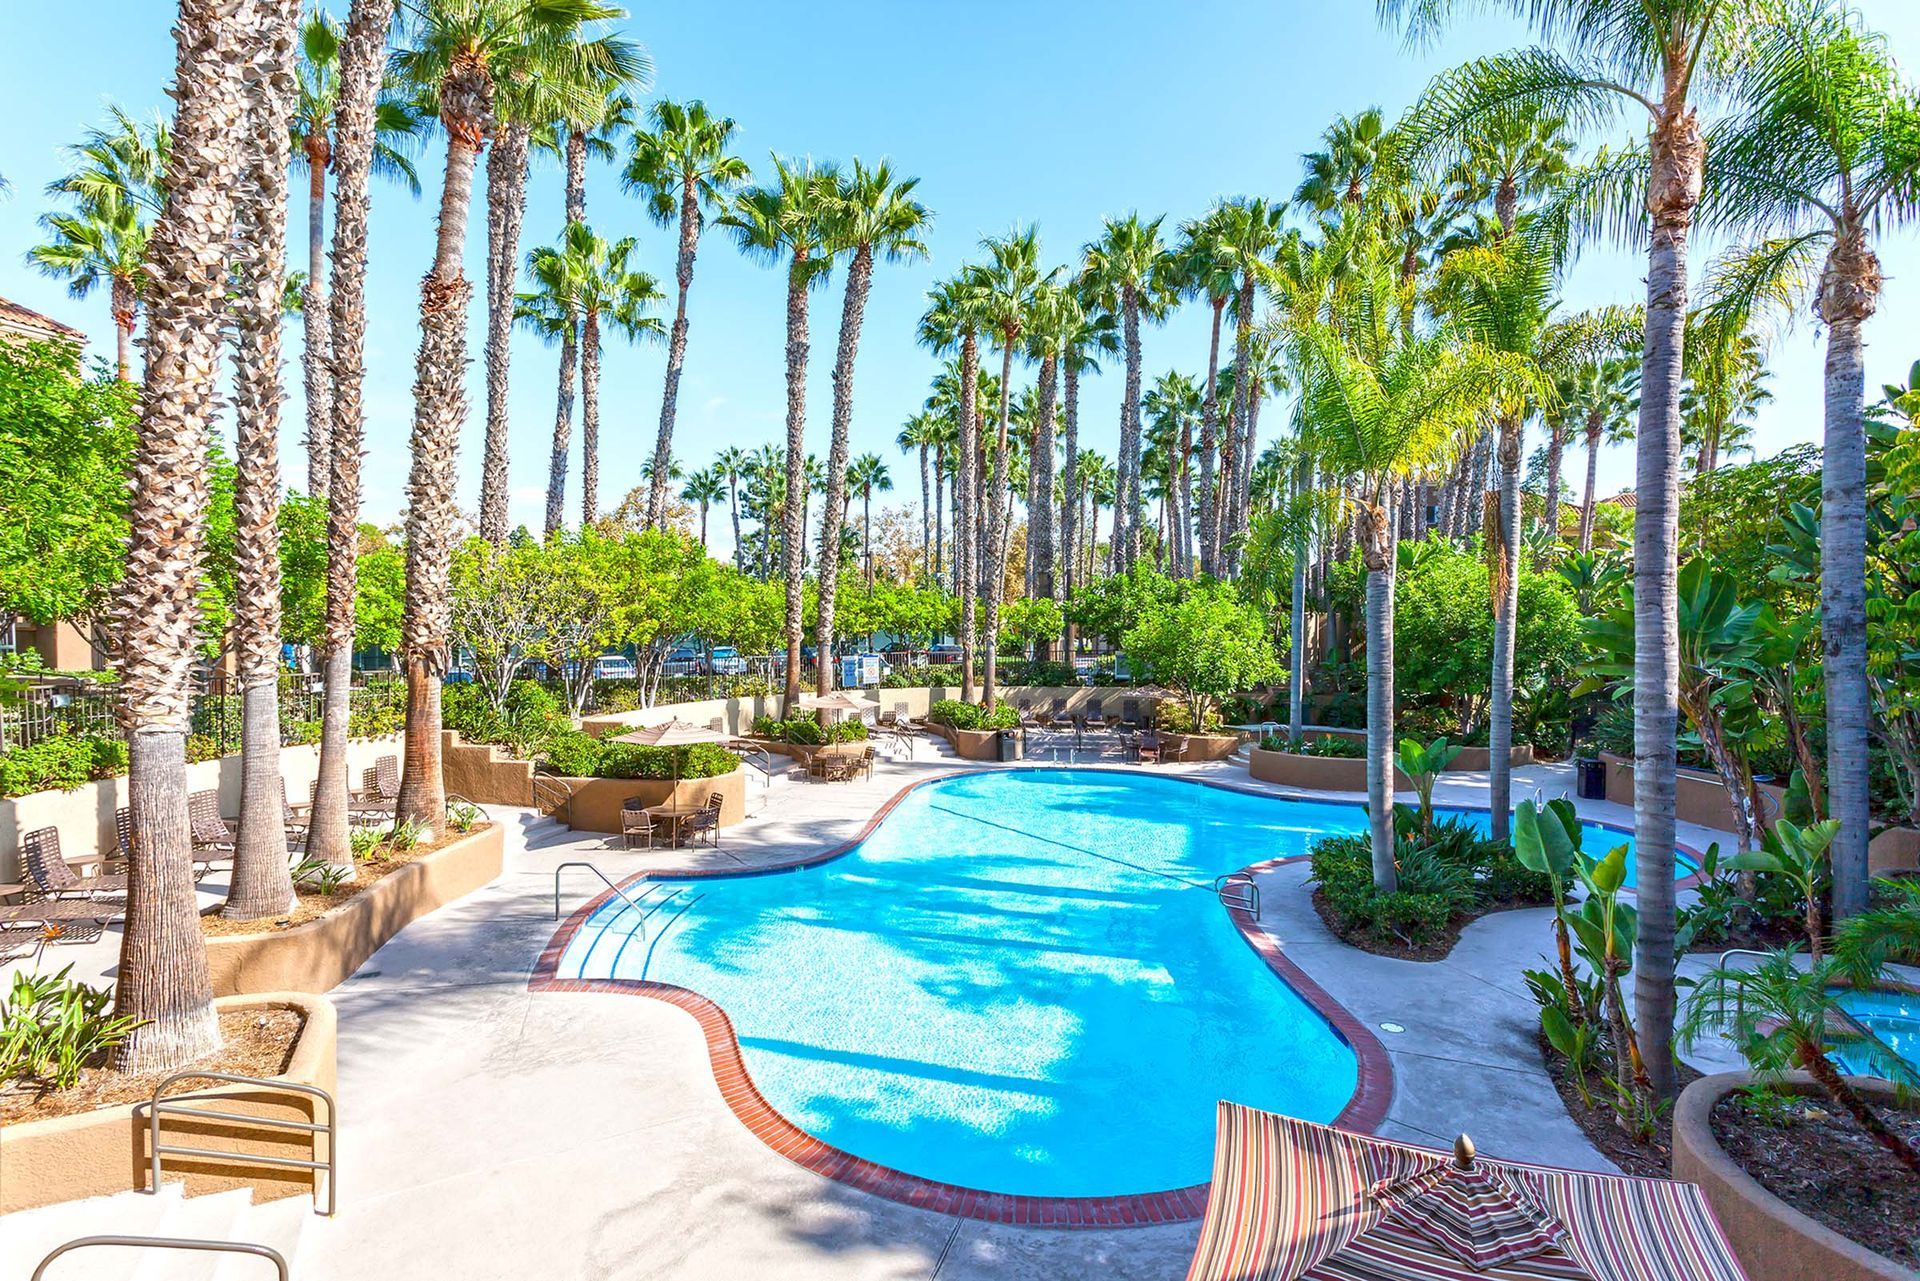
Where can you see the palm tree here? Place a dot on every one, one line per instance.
(1825, 149)
(618, 296)
(164, 986)
(1600, 397)
(1086, 334)
(705, 488)
(1654, 54)
(312, 125)
(953, 321)
(1507, 157)
(873, 213)
(1355, 150)
(591, 112)
(552, 310)
(260, 884)
(731, 465)
(866, 476)
(1384, 401)
(1250, 234)
(684, 168)
(1130, 272)
(1101, 484)
(922, 432)
(1010, 282)
(1171, 405)
(790, 219)
(363, 50)
(105, 240)
(1207, 271)
(1055, 310)
(458, 50)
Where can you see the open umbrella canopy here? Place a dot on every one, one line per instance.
(1295, 1200)
(673, 733)
(838, 701)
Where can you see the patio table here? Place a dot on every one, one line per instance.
(675, 816)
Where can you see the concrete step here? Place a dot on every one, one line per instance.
(27, 1236)
(216, 1217)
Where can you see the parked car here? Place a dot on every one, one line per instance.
(727, 661)
(944, 654)
(614, 667)
(685, 660)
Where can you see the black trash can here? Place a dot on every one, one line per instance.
(1012, 745)
(1590, 780)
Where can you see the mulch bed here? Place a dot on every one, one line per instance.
(1399, 948)
(256, 1043)
(1598, 1123)
(1817, 1158)
(310, 905)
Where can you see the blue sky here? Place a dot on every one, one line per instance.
(1053, 113)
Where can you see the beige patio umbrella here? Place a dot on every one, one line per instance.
(1296, 1201)
(674, 733)
(838, 701)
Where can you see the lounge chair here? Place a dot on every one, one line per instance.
(49, 876)
(19, 940)
(123, 841)
(1149, 747)
(635, 822)
(1130, 713)
(213, 837)
(1093, 718)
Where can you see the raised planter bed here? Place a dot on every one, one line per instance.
(595, 805)
(1201, 747)
(970, 744)
(1349, 773)
(318, 955)
(484, 773)
(1698, 797)
(105, 1151)
(1774, 1241)
(1897, 849)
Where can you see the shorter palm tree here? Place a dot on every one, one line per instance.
(616, 296)
(866, 475)
(104, 241)
(705, 488)
(1781, 1015)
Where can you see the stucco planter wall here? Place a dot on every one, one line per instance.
(1774, 1241)
(1697, 797)
(1349, 773)
(596, 802)
(85, 815)
(317, 956)
(1201, 747)
(105, 1151)
(483, 773)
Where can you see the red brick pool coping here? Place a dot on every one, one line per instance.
(1373, 1085)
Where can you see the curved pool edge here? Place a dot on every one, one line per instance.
(1364, 1111)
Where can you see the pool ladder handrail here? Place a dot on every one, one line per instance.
(1843, 1015)
(180, 1105)
(266, 1252)
(1238, 890)
(609, 884)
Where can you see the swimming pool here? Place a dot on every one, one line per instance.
(1020, 982)
(1891, 1015)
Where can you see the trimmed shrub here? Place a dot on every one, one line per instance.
(955, 714)
(60, 763)
(1001, 717)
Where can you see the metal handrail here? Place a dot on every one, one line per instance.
(266, 1252)
(1247, 899)
(551, 785)
(609, 884)
(179, 1105)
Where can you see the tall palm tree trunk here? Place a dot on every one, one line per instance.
(313, 321)
(926, 516)
(991, 569)
(1673, 190)
(733, 510)
(1376, 544)
(939, 514)
(562, 434)
(506, 210)
(793, 525)
(1070, 493)
(576, 175)
(1506, 606)
(1297, 620)
(362, 61)
(1593, 476)
(1127, 509)
(163, 978)
(852, 312)
(260, 882)
(866, 532)
(1040, 547)
(1849, 292)
(1556, 444)
(1209, 449)
(1235, 481)
(125, 305)
(965, 515)
(589, 419)
(440, 407)
(676, 355)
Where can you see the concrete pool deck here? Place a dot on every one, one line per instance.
(489, 1131)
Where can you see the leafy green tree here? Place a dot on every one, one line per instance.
(66, 436)
(1208, 645)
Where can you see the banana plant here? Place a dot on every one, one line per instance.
(1605, 929)
(1548, 842)
(1800, 855)
(1423, 765)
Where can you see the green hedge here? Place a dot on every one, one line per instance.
(1454, 873)
(956, 714)
(60, 763)
(578, 755)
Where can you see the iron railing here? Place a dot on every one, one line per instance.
(266, 1252)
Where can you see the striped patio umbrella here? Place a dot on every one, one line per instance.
(1295, 1200)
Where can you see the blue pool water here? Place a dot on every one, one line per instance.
(1892, 1016)
(1020, 982)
